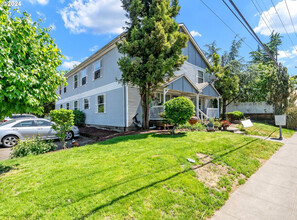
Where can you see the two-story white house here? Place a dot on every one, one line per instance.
(93, 88)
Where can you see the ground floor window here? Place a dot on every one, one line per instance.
(75, 105)
(67, 106)
(86, 104)
(61, 106)
(101, 104)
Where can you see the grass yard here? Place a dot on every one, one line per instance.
(143, 176)
(266, 130)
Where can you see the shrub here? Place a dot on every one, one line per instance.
(236, 115)
(63, 122)
(32, 146)
(292, 118)
(178, 111)
(79, 117)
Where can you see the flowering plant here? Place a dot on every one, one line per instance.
(225, 123)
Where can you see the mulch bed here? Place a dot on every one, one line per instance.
(103, 135)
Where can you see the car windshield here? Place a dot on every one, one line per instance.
(8, 122)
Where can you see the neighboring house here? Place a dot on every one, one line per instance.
(93, 88)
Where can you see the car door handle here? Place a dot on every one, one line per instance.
(15, 129)
(39, 129)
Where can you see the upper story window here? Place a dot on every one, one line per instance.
(60, 90)
(200, 77)
(97, 69)
(67, 106)
(84, 77)
(86, 104)
(75, 105)
(75, 79)
(100, 104)
(65, 89)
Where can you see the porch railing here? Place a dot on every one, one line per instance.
(212, 112)
(155, 111)
(201, 115)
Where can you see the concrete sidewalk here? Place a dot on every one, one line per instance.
(271, 193)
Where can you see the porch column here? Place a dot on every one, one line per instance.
(218, 99)
(197, 105)
(164, 97)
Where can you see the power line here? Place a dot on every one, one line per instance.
(224, 23)
(238, 19)
(283, 25)
(291, 18)
(251, 29)
(260, 11)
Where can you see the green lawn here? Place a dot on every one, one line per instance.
(266, 130)
(142, 176)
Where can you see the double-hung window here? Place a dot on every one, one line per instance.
(65, 89)
(75, 81)
(75, 105)
(60, 90)
(97, 69)
(86, 104)
(84, 77)
(61, 106)
(68, 106)
(200, 77)
(100, 104)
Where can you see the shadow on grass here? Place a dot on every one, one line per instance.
(156, 182)
(5, 169)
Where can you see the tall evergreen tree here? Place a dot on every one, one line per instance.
(152, 47)
(210, 50)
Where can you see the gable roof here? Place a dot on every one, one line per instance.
(175, 78)
(202, 86)
(112, 44)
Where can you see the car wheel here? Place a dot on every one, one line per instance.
(69, 135)
(10, 141)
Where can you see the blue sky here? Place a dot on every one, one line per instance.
(81, 27)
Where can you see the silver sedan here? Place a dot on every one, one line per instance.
(13, 130)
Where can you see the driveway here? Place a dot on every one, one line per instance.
(4, 153)
(271, 193)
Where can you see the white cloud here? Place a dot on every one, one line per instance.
(67, 57)
(288, 54)
(94, 48)
(41, 2)
(195, 34)
(273, 20)
(41, 15)
(52, 26)
(99, 16)
(69, 64)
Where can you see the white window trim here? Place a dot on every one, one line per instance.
(100, 61)
(83, 103)
(69, 106)
(197, 76)
(77, 105)
(74, 81)
(61, 106)
(82, 77)
(104, 95)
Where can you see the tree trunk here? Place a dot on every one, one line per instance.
(224, 107)
(173, 131)
(145, 110)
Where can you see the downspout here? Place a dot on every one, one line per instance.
(126, 107)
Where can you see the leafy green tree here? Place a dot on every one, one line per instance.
(227, 82)
(178, 111)
(152, 47)
(29, 59)
(210, 50)
(63, 122)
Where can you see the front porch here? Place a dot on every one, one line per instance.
(203, 95)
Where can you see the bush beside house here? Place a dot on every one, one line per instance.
(178, 111)
(79, 118)
(233, 116)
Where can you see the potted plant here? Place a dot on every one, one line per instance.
(193, 120)
(225, 124)
(210, 125)
(217, 125)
